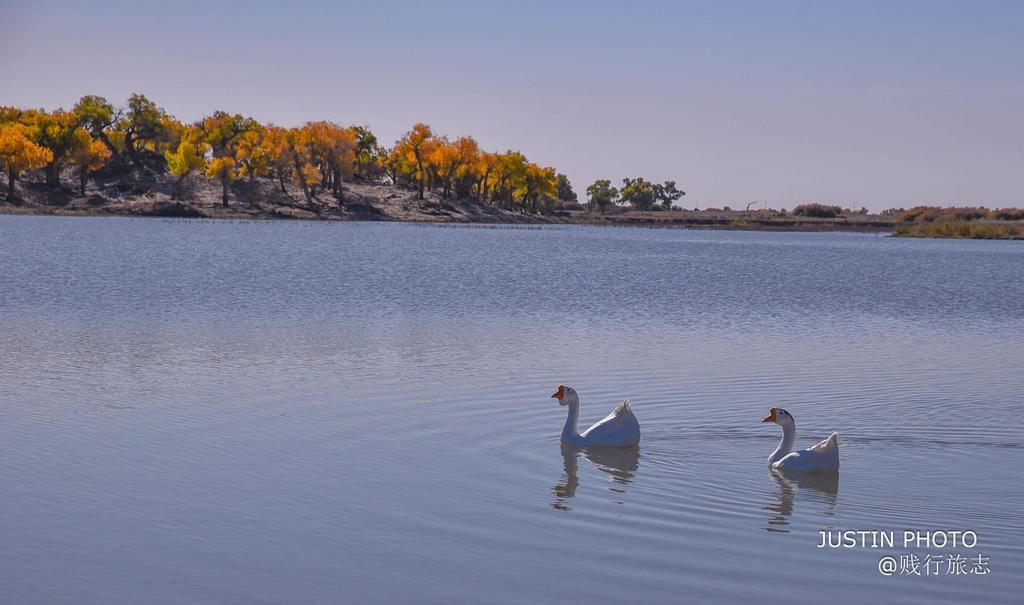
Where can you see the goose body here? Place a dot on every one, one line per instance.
(618, 429)
(823, 456)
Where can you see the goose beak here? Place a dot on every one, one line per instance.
(771, 416)
(559, 393)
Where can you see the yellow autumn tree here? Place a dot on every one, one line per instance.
(343, 157)
(223, 169)
(481, 170)
(464, 176)
(302, 151)
(19, 153)
(539, 185)
(189, 157)
(169, 136)
(397, 166)
(319, 156)
(275, 148)
(56, 131)
(223, 131)
(509, 173)
(89, 155)
(332, 150)
(251, 153)
(96, 115)
(448, 161)
(415, 147)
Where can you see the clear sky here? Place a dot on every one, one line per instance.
(858, 103)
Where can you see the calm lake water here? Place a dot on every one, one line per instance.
(290, 412)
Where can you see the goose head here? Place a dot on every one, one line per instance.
(565, 395)
(780, 417)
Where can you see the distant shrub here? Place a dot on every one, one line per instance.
(960, 229)
(817, 210)
(1008, 214)
(935, 214)
(965, 214)
(920, 214)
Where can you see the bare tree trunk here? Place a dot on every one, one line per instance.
(302, 180)
(224, 184)
(83, 175)
(11, 176)
(420, 173)
(53, 174)
(176, 185)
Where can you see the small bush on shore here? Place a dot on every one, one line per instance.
(960, 229)
(817, 211)
(935, 214)
(1008, 214)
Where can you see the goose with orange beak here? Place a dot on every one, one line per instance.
(823, 456)
(618, 429)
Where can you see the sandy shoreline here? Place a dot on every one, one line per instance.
(142, 195)
(263, 200)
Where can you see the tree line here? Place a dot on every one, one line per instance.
(637, 192)
(318, 156)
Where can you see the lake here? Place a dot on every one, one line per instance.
(299, 412)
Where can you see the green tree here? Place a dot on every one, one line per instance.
(97, 116)
(666, 193)
(638, 193)
(367, 150)
(223, 131)
(565, 192)
(602, 195)
(142, 122)
(539, 185)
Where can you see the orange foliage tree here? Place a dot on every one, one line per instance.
(319, 156)
(19, 153)
(414, 148)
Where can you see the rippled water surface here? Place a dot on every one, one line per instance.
(275, 412)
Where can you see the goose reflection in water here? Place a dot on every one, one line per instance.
(619, 463)
(821, 487)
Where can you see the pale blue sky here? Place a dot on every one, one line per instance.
(858, 103)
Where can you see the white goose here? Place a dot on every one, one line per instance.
(618, 429)
(821, 457)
